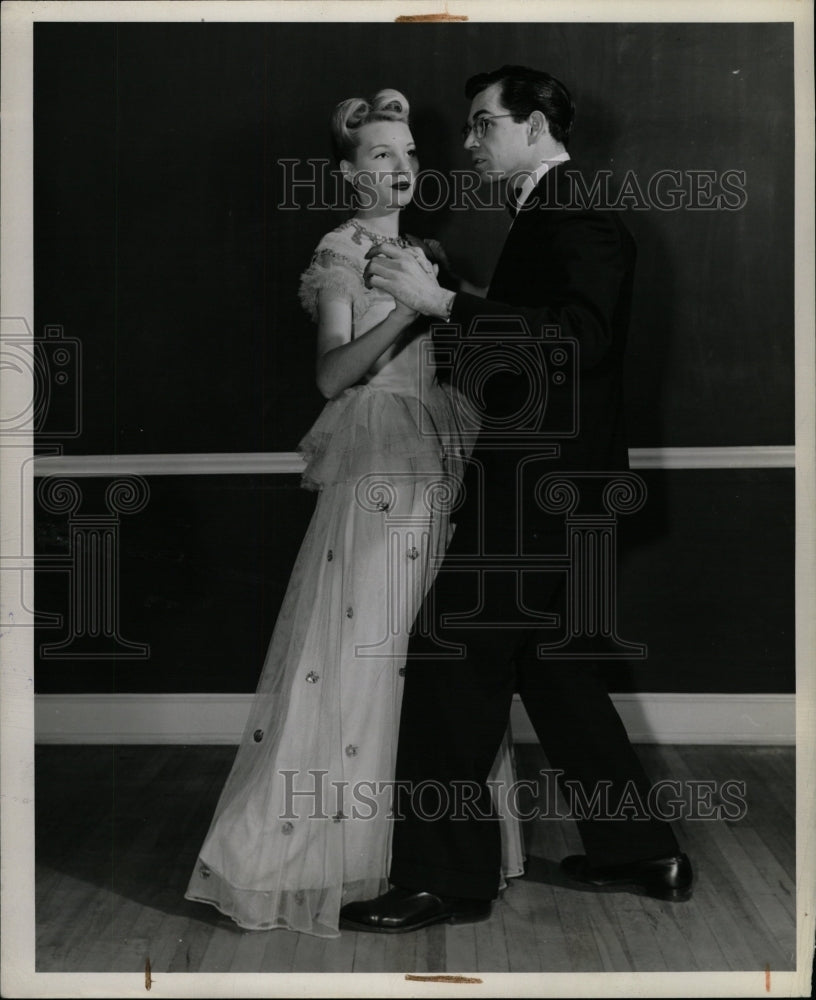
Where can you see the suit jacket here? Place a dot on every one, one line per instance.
(566, 267)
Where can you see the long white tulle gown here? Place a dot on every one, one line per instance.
(302, 825)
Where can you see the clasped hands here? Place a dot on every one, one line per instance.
(397, 271)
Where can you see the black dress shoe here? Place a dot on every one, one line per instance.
(400, 910)
(662, 878)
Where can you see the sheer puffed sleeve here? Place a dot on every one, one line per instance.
(333, 271)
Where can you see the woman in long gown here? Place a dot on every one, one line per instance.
(302, 825)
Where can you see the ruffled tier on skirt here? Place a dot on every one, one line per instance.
(368, 432)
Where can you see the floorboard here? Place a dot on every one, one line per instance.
(118, 830)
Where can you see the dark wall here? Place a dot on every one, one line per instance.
(160, 246)
(705, 583)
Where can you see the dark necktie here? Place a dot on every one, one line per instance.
(512, 202)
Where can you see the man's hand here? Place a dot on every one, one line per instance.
(397, 271)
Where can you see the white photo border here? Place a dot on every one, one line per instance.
(16, 266)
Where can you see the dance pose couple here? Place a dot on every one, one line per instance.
(369, 791)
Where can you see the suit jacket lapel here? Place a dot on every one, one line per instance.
(530, 226)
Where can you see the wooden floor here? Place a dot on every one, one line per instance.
(119, 828)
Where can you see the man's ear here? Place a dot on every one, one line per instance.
(538, 126)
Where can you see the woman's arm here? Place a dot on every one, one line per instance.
(341, 360)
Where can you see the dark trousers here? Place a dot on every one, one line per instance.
(454, 714)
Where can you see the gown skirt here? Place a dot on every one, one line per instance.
(303, 823)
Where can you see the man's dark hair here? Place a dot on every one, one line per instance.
(525, 90)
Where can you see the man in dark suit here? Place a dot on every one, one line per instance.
(568, 267)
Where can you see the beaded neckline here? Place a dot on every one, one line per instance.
(376, 238)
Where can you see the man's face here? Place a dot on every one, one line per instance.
(504, 149)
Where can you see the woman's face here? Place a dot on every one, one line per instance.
(384, 167)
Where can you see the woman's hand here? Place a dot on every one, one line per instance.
(397, 271)
(435, 253)
(403, 313)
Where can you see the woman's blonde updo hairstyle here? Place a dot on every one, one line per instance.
(350, 115)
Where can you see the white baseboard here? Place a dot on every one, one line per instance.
(694, 718)
(220, 718)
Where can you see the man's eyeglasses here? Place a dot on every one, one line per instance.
(480, 126)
